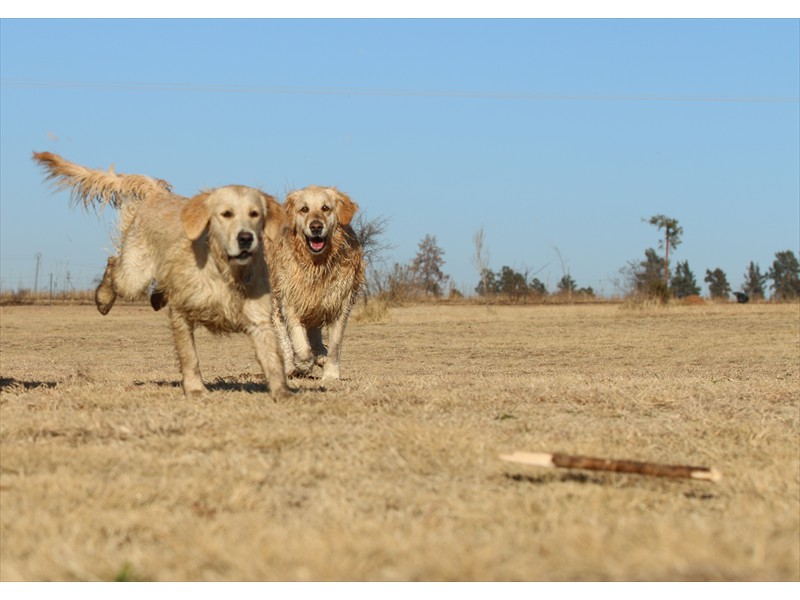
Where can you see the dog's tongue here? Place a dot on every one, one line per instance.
(317, 245)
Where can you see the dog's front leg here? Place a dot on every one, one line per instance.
(283, 341)
(105, 294)
(303, 355)
(268, 353)
(183, 332)
(317, 347)
(330, 372)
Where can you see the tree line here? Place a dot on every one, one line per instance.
(653, 278)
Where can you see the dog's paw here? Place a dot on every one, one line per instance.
(303, 367)
(194, 391)
(104, 307)
(104, 297)
(330, 372)
(282, 393)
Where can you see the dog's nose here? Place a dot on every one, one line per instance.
(316, 227)
(245, 239)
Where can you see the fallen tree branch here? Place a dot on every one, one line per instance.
(567, 461)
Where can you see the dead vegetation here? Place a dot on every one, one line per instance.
(107, 472)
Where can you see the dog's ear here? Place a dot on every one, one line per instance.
(291, 198)
(274, 219)
(345, 207)
(195, 216)
(289, 208)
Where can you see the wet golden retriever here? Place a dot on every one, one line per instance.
(206, 253)
(317, 269)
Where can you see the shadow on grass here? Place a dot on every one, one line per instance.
(10, 382)
(557, 478)
(218, 385)
(221, 385)
(602, 480)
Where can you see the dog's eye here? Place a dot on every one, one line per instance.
(304, 209)
(227, 214)
(254, 214)
(325, 208)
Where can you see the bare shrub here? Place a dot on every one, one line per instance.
(21, 296)
(398, 285)
(374, 311)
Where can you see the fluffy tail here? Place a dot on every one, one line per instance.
(94, 188)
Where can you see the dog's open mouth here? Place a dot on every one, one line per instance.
(316, 244)
(243, 256)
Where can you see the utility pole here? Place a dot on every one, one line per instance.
(36, 277)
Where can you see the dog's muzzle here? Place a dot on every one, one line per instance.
(317, 240)
(246, 241)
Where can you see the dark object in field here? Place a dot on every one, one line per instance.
(741, 297)
(567, 461)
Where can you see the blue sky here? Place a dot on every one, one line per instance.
(558, 137)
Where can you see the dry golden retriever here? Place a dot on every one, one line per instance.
(317, 269)
(206, 253)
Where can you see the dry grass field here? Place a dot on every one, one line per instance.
(107, 472)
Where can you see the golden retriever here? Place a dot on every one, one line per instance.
(317, 269)
(206, 253)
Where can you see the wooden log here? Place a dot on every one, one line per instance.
(568, 461)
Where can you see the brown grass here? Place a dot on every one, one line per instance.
(28, 297)
(107, 472)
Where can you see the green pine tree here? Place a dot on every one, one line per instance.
(717, 282)
(683, 282)
(785, 275)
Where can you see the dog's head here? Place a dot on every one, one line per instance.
(315, 212)
(236, 216)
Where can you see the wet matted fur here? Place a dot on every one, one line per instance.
(317, 269)
(206, 253)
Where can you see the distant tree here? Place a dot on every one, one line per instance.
(564, 270)
(567, 285)
(717, 282)
(650, 269)
(672, 238)
(754, 282)
(647, 277)
(397, 284)
(369, 233)
(481, 262)
(537, 287)
(427, 265)
(785, 275)
(487, 286)
(683, 282)
(511, 283)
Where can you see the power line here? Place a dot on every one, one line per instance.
(385, 92)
